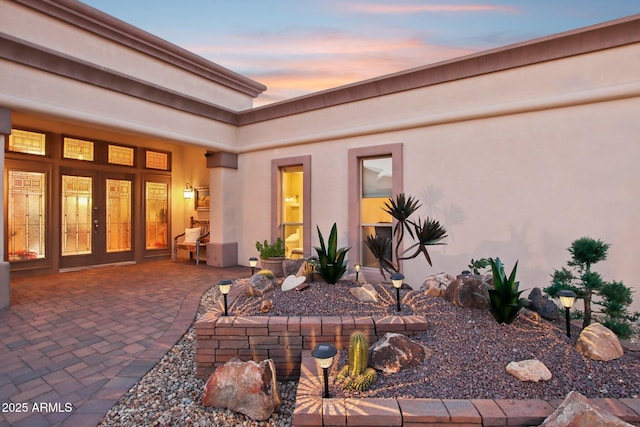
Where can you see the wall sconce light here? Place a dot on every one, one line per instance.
(567, 298)
(396, 279)
(225, 287)
(253, 261)
(357, 267)
(323, 353)
(188, 191)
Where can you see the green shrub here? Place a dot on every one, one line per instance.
(478, 264)
(275, 250)
(331, 264)
(505, 299)
(615, 297)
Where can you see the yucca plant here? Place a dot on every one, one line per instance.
(379, 245)
(505, 298)
(427, 233)
(401, 209)
(331, 265)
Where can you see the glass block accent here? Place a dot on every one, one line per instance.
(78, 149)
(22, 141)
(119, 155)
(157, 160)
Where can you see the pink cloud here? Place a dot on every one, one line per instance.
(418, 8)
(293, 65)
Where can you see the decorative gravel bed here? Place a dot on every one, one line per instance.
(170, 394)
(469, 352)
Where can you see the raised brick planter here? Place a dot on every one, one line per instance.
(282, 339)
(312, 410)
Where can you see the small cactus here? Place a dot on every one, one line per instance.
(358, 353)
(266, 273)
(357, 375)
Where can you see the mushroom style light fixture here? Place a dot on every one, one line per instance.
(225, 287)
(396, 279)
(188, 191)
(567, 298)
(323, 353)
(253, 261)
(357, 267)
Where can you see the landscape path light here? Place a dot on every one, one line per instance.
(253, 261)
(225, 287)
(396, 279)
(323, 353)
(357, 267)
(567, 298)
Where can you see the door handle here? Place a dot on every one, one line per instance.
(96, 225)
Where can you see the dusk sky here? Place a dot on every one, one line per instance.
(296, 47)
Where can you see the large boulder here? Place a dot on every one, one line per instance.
(395, 352)
(469, 290)
(365, 292)
(437, 284)
(543, 305)
(597, 342)
(529, 370)
(576, 411)
(246, 387)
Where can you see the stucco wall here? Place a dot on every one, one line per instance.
(515, 164)
(49, 32)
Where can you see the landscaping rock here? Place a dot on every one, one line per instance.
(395, 352)
(246, 387)
(529, 370)
(437, 284)
(365, 292)
(597, 342)
(266, 306)
(543, 305)
(261, 282)
(465, 291)
(290, 267)
(291, 282)
(576, 411)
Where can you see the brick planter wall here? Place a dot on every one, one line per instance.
(282, 339)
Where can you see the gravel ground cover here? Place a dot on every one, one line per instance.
(468, 354)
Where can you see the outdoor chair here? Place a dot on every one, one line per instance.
(194, 239)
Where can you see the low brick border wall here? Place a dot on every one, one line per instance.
(312, 410)
(282, 339)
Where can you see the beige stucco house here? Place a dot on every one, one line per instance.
(517, 151)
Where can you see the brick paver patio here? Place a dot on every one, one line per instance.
(72, 344)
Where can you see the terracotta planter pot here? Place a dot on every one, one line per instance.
(273, 264)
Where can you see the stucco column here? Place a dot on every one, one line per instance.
(222, 250)
(5, 288)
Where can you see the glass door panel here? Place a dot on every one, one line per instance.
(96, 218)
(77, 217)
(118, 215)
(156, 208)
(26, 210)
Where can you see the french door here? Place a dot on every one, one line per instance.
(96, 217)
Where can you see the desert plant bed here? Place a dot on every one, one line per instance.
(468, 350)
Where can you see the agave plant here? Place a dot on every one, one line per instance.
(379, 245)
(505, 298)
(331, 265)
(401, 209)
(427, 233)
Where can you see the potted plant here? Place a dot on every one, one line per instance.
(271, 256)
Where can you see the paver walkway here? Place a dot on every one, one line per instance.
(72, 344)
